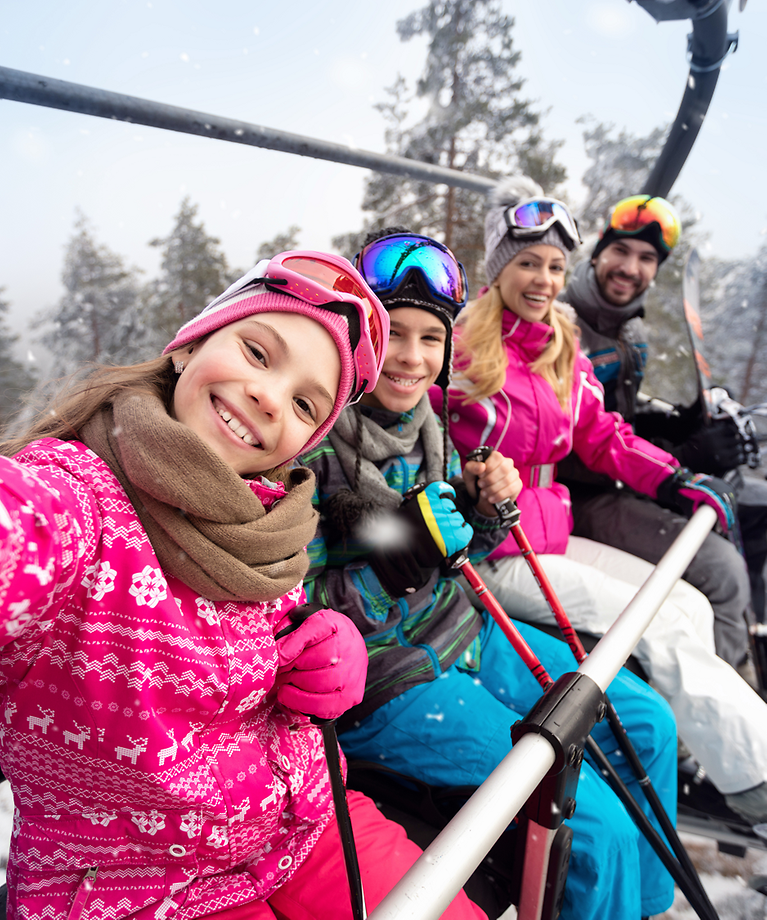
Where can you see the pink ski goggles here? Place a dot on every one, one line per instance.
(311, 277)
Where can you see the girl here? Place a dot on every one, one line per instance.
(444, 683)
(526, 388)
(155, 699)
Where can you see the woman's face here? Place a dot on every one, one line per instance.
(530, 283)
(256, 390)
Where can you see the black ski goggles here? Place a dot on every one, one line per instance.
(386, 264)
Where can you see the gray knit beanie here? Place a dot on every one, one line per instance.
(500, 246)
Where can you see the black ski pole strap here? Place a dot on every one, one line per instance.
(343, 818)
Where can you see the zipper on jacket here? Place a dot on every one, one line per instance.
(83, 893)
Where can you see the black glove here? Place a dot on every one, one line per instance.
(428, 528)
(715, 448)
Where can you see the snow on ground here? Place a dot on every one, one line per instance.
(724, 877)
(6, 823)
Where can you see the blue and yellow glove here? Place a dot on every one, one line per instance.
(429, 530)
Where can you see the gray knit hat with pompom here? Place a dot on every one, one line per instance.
(500, 245)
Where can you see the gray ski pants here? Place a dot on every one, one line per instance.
(635, 524)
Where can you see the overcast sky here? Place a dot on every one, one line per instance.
(317, 68)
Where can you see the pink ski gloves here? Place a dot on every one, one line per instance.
(323, 663)
(685, 491)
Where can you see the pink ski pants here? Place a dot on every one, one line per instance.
(319, 889)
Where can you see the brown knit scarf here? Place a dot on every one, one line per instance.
(204, 523)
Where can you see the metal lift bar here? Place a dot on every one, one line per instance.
(708, 46)
(19, 86)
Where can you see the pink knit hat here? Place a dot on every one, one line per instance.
(243, 299)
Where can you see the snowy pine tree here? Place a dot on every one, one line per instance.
(15, 378)
(99, 317)
(280, 243)
(193, 272)
(475, 121)
(734, 314)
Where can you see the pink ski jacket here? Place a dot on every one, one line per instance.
(525, 422)
(154, 774)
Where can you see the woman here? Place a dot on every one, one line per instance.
(526, 389)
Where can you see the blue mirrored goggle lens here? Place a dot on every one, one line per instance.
(386, 263)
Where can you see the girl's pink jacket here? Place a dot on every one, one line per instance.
(138, 724)
(525, 422)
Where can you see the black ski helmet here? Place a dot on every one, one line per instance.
(412, 286)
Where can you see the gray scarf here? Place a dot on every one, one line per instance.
(587, 300)
(378, 444)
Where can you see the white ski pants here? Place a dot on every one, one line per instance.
(721, 719)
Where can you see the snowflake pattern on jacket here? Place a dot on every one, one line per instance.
(138, 723)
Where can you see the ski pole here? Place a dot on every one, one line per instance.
(337, 787)
(509, 512)
(343, 817)
(690, 887)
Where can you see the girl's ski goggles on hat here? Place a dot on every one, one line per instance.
(386, 265)
(535, 216)
(318, 278)
(332, 283)
(632, 215)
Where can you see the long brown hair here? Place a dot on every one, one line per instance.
(82, 397)
(87, 392)
(481, 354)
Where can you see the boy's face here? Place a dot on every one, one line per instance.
(414, 358)
(256, 390)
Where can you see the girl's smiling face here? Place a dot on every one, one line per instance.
(414, 358)
(256, 390)
(531, 281)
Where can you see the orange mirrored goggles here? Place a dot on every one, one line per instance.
(632, 215)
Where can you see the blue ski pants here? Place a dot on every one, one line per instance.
(454, 731)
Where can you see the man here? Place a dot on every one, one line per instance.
(608, 294)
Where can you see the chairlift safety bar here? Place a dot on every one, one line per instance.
(20, 86)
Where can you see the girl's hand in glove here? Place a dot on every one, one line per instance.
(323, 663)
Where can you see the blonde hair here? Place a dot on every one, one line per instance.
(481, 355)
(79, 399)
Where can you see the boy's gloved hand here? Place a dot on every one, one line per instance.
(685, 491)
(714, 448)
(429, 529)
(322, 666)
